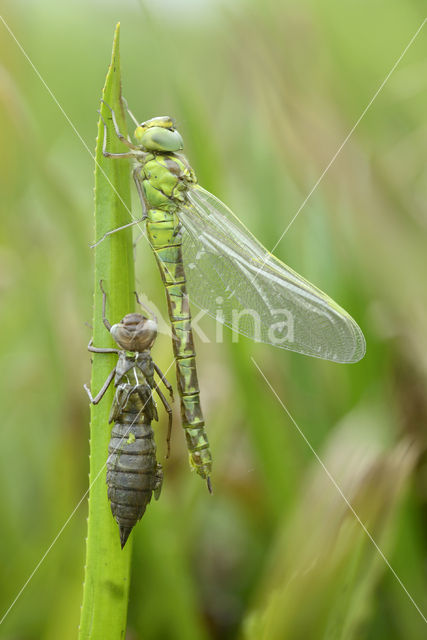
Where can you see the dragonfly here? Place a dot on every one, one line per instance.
(133, 473)
(206, 254)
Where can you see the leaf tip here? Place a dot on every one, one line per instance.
(116, 39)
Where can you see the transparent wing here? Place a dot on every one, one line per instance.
(236, 280)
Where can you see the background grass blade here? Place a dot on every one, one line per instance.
(106, 585)
(324, 569)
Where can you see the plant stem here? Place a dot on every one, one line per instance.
(107, 570)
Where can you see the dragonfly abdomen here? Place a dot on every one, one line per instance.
(164, 237)
(133, 473)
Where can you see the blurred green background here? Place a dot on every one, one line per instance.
(264, 93)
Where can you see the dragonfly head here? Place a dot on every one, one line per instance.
(135, 332)
(159, 134)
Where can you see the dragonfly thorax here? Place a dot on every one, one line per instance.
(134, 332)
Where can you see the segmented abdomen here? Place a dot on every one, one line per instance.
(161, 227)
(133, 473)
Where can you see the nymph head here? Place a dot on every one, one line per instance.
(135, 332)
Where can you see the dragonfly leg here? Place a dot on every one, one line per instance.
(104, 304)
(90, 347)
(109, 233)
(164, 380)
(119, 134)
(100, 395)
(141, 199)
(125, 102)
(108, 154)
(153, 315)
(169, 411)
(141, 195)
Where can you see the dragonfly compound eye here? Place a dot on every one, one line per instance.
(159, 139)
(135, 332)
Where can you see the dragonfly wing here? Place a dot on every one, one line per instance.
(236, 280)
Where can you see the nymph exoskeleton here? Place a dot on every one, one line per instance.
(133, 473)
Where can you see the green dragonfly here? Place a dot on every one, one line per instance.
(207, 255)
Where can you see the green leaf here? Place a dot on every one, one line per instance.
(107, 571)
